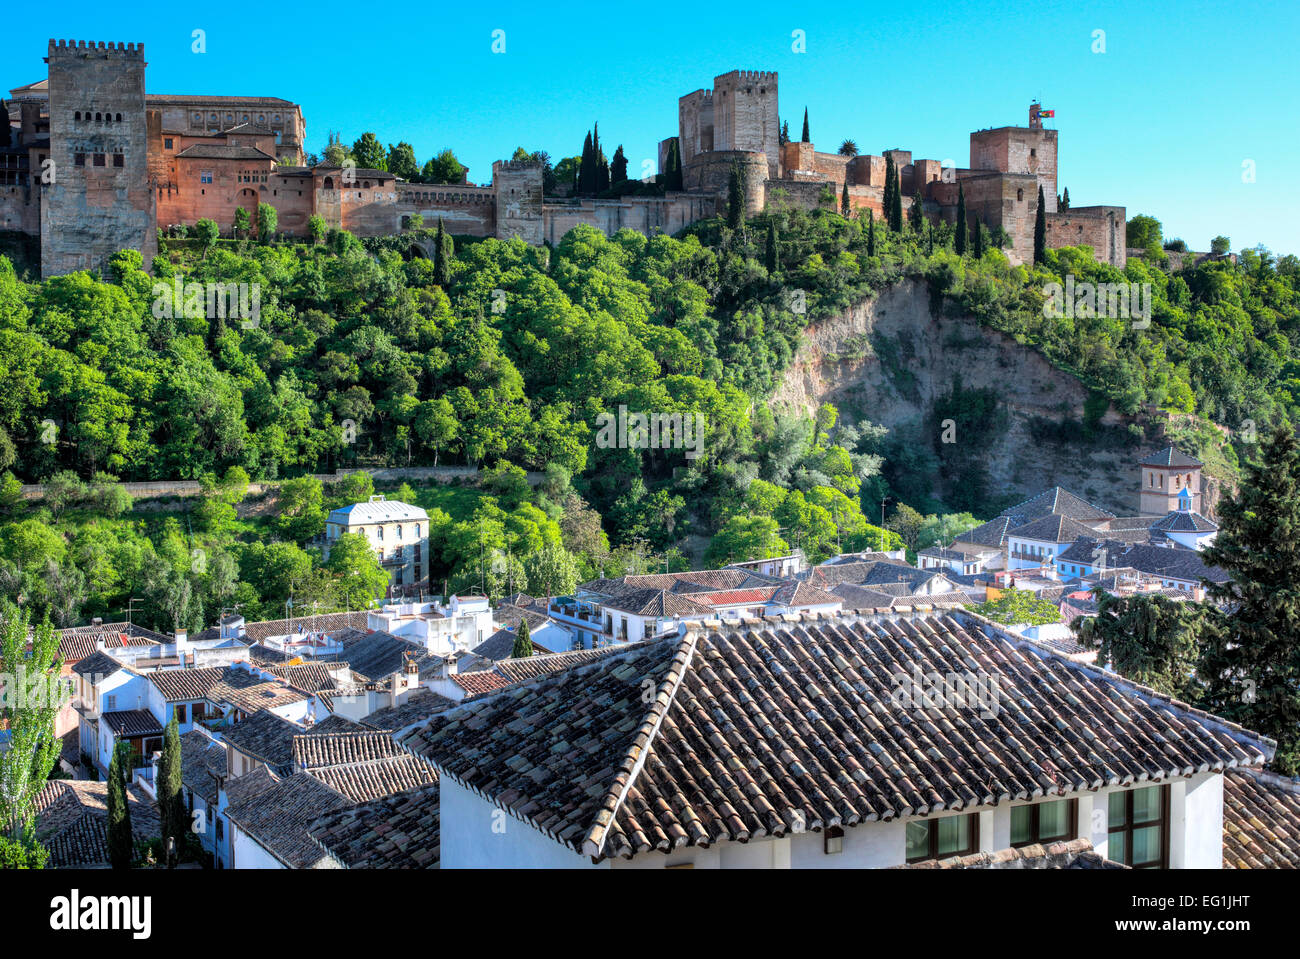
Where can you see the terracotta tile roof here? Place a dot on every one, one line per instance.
(334, 723)
(1054, 501)
(252, 693)
(1169, 456)
(238, 789)
(177, 685)
(795, 595)
(98, 663)
(1189, 522)
(1171, 563)
(501, 644)
(1261, 820)
(377, 656)
(993, 533)
(132, 723)
(328, 622)
(735, 597)
(78, 642)
(309, 677)
(264, 736)
(1075, 854)
(1052, 529)
(203, 765)
(753, 729)
(420, 705)
(223, 151)
(482, 681)
(518, 670)
(315, 749)
(364, 781)
(400, 831)
(72, 818)
(278, 817)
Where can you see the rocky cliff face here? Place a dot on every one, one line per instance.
(889, 359)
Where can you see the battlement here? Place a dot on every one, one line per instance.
(740, 76)
(86, 48)
(515, 166)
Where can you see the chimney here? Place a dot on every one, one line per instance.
(447, 666)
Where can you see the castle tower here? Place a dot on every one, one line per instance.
(100, 200)
(1170, 481)
(518, 188)
(745, 115)
(1024, 150)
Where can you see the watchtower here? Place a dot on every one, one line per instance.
(98, 199)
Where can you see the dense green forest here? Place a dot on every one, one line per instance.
(503, 356)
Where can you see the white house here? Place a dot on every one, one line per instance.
(460, 624)
(397, 531)
(1012, 764)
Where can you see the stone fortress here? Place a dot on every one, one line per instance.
(95, 164)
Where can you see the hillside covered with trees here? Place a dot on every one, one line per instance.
(503, 357)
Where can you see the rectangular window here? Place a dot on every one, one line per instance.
(79, 159)
(181, 711)
(118, 160)
(205, 176)
(1044, 822)
(943, 837)
(99, 159)
(167, 143)
(110, 704)
(1138, 830)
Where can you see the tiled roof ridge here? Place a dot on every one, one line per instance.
(594, 842)
(1150, 696)
(1271, 778)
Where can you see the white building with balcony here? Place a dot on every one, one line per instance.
(396, 531)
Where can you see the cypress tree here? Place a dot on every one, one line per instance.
(618, 167)
(871, 233)
(785, 132)
(171, 807)
(1065, 200)
(523, 647)
(896, 211)
(887, 204)
(1250, 657)
(602, 174)
(844, 200)
(586, 168)
(916, 214)
(805, 126)
(736, 197)
(959, 235)
(772, 256)
(674, 178)
(443, 251)
(929, 243)
(1040, 230)
(977, 237)
(121, 842)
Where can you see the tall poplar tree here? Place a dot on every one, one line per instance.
(1250, 656)
(844, 200)
(805, 126)
(896, 211)
(772, 256)
(736, 197)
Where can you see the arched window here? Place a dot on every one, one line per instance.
(77, 115)
(329, 183)
(399, 530)
(381, 531)
(1020, 195)
(118, 118)
(99, 118)
(417, 530)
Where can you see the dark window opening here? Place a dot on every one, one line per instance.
(943, 837)
(1044, 822)
(1138, 827)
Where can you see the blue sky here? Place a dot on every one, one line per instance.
(1161, 123)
